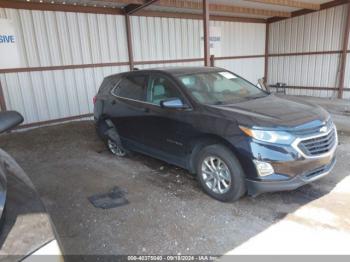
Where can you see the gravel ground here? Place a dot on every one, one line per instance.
(167, 211)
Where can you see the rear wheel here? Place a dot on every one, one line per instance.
(115, 149)
(106, 133)
(220, 173)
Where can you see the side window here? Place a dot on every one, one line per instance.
(132, 87)
(160, 88)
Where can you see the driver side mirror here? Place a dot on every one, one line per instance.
(173, 103)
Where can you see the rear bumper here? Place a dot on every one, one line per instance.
(258, 187)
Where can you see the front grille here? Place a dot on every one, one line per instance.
(319, 145)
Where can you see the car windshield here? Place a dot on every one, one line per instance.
(219, 88)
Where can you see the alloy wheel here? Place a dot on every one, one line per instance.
(216, 175)
(115, 148)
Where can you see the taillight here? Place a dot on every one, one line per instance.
(94, 100)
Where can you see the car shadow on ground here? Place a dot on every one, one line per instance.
(168, 213)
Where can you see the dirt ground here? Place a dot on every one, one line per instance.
(167, 211)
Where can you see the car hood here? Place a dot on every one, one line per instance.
(272, 112)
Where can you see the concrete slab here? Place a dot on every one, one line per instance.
(168, 213)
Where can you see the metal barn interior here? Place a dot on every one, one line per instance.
(66, 47)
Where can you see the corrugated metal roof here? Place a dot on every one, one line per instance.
(157, 7)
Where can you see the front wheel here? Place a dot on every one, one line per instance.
(220, 173)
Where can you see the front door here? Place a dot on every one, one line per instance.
(167, 131)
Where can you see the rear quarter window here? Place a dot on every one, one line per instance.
(108, 83)
(132, 87)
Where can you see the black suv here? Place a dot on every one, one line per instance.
(212, 122)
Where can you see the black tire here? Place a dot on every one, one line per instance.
(237, 184)
(101, 129)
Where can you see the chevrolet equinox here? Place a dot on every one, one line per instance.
(234, 136)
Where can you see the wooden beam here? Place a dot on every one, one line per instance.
(134, 8)
(289, 3)
(206, 32)
(129, 42)
(222, 8)
(344, 53)
(2, 99)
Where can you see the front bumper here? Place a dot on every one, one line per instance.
(292, 168)
(257, 187)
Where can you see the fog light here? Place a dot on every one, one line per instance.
(263, 168)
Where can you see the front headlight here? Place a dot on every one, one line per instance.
(278, 137)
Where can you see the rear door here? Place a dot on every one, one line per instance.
(128, 106)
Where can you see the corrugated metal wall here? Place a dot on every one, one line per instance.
(156, 38)
(161, 38)
(315, 32)
(58, 39)
(346, 94)
(347, 74)
(49, 95)
(242, 39)
(48, 38)
(62, 38)
(170, 38)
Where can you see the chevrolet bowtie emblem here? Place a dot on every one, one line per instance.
(323, 129)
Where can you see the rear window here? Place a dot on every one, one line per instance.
(108, 83)
(132, 87)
